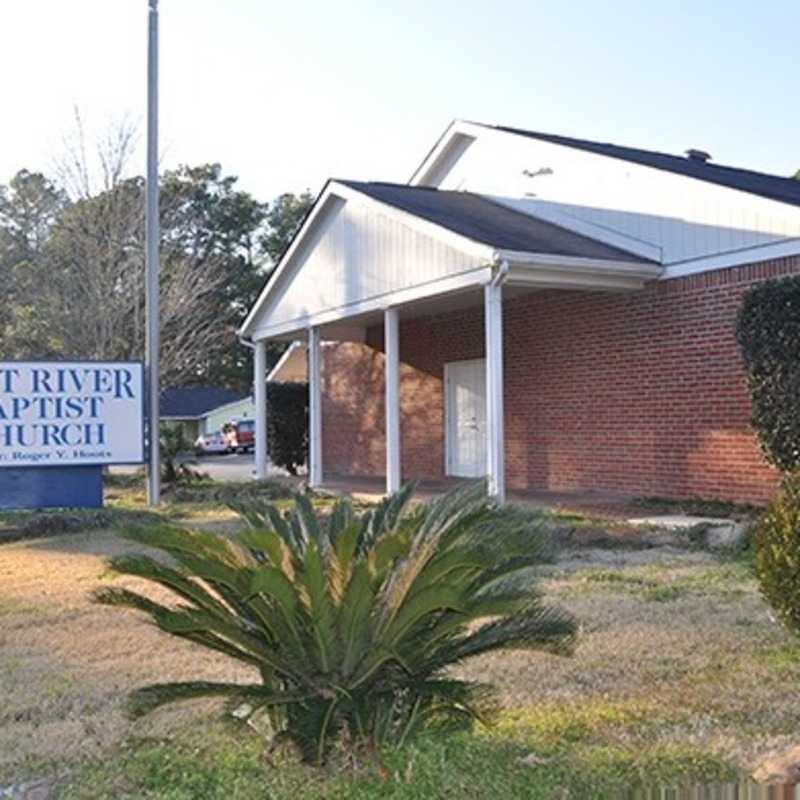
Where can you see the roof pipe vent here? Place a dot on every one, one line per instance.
(698, 155)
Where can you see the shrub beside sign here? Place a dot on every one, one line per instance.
(67, 415)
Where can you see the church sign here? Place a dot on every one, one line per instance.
(60, 422)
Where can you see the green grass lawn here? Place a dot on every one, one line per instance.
(585, 750)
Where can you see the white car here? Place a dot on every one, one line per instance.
(211, 443)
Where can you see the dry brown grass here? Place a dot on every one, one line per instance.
(67, 664)
(682, 635)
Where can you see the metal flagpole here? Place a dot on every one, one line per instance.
(152, 235)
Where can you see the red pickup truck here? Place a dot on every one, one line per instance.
(241, 435)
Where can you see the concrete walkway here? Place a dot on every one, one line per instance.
(609, 505)
(223, 467)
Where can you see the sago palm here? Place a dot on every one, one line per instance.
(351, 623)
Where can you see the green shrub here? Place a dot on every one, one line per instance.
(173, 443)
(777, 554)
(18, 525)
(125, 480)
(768, 333)
(287, 425)
(209, 491)
(352, 622)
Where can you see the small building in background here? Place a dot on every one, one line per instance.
(203, 409)
(235, 411)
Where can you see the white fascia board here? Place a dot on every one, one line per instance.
(599, 266)
(335, 190)
(549, 278)
(316, 212)
(567, 272)
(458, 126)
(734, 258)
(474, 277)
(539, 269)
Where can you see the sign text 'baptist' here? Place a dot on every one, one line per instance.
(58, 413)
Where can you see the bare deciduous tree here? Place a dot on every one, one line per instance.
(89, 280)
(72, 260)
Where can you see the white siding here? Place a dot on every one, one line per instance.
(686, 218)
(358, 253)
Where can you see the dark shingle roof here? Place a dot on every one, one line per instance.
(195, 401)
(488, 222)
(774, 187)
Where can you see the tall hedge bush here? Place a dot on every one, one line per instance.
(777, 554)
(287, 425)
(768, 334)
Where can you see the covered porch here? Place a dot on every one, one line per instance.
(376, 257)
(599, 504)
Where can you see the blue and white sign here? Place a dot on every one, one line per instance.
(71, 413)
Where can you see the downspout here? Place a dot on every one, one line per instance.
(501, 273)
(251, 346)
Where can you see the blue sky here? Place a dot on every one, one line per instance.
(286, 94)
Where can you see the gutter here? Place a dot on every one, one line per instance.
(579, 264)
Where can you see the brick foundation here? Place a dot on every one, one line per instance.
(641, 393)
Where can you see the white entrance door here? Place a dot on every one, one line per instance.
(465, 404)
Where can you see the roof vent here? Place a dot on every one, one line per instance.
(698, 155)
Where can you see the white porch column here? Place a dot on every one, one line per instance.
(495, 430)
(391, 338)
(260, 396)
(314, 407)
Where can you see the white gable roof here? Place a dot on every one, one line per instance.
(685, 220)
(353, 249)
(365, 247)
(358, 252)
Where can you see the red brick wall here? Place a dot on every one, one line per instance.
(642, 392)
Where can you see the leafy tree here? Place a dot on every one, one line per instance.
(284, 218)
(29, 207)
(352, 623)
(218, 227)
(768, 333)
(287, 425)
